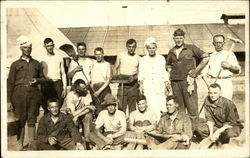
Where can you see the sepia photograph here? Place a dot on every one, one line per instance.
(118, 78)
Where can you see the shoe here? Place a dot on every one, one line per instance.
(107, 147)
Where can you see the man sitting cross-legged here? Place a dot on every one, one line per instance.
(113, 122)
(56, 131)
(143, 119)
(174, 129)
(222, 119)
(78, 103)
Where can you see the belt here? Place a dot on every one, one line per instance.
(26, 85)
(223, 77)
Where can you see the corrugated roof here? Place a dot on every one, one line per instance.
(113, 38)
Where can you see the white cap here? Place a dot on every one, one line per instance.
(23, 41)
(149, 41)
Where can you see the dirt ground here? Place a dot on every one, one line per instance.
(238, 98)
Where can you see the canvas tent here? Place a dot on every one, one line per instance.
(30, 22)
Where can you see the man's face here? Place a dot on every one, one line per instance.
(81, 51)
(142, 106)
(99, 56)
(26, 50)
(171, 106)
(131, 48)
(179, 40)
(111, 109)
(152, 49)
(49, 47)
(214, 93)
(81, 90)
(218, 43)
(53, 107)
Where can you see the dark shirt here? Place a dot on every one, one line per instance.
(181, 125)
(21, 72)
(222, 112)
(188, 58)
(63, 129)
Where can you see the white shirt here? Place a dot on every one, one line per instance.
(153, 73)
(214, 65)
(52, 66)
(128, 64)
(114, 123)
(100, 72)
(87, 67)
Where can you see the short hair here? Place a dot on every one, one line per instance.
(47, 40)
(81, 44)
(215, 85)
(174, 98)
(53, 100)
(100, 49)
(140, 97)
(219, 35)
(131, 41)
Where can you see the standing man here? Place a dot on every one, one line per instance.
(222, 118)
(224, 61)
(56, 131)
(153, 78)
(182, 59)
(143, 119)
(100, 77)
(85, 65)
(128, 64)
(22, 91)
(174, 129)
(110, 126)
(56, 80)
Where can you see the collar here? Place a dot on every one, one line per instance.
(173, 49)
(48, 117)
(218, 103)
(178, 115)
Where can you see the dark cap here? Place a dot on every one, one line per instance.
(179, 32)
(109, 99)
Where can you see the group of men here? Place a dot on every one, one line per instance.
(160, 95)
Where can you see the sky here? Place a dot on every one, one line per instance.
(111, 13)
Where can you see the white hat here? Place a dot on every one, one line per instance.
(149, 41)
(23, 41)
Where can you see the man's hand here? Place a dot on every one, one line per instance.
(185, 138)
(97, 93)
(64, 92)
(168, 89)
(141, 89)
(9, 106)
(78, 68)
(33, 81)
(225, 65)
(192, 73)
(190, 89)
(52, 140)
(176, 137)
(79, 146)
(109, 139)
(91, 107)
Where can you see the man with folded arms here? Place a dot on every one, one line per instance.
(174, 129)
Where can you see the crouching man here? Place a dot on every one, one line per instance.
(174, 129)
(110, 126)
(222, 119)
(56, 131)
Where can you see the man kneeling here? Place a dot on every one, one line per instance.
(56, 131)
(113, 122)
(174, 129)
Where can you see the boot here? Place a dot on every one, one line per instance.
(31, 134)
(20, 139)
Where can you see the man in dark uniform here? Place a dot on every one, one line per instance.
(182, 60)
(22, 91)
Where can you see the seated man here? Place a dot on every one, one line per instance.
(143, 119)
(56, 131)
(174, 129)
(78, 103)
(222, 118)
(114, 123)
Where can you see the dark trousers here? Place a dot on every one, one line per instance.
(160, 143)
(86, 122)
(67, 144)
(203, 131)
(130, 94)
(51, 89)
(100, 107)
(185, 99)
